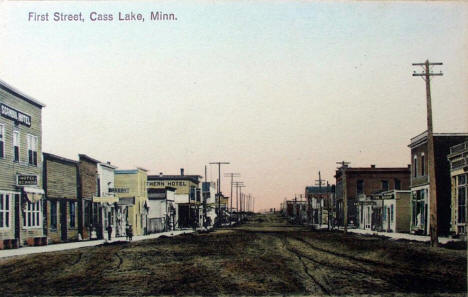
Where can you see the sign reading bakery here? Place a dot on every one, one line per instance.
(15, 115)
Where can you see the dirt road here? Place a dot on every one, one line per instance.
(263, 257)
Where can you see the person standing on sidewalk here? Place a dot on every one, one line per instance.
(109, 232)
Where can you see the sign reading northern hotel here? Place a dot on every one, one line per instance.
(166, 183)
(15, 115)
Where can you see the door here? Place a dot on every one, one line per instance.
(63, 220)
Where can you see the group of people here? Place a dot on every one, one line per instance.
(128, 232)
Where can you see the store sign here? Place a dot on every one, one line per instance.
(15, 115)
(119, 190)
(26, 180)
(167, 183)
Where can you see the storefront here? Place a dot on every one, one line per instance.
(21, 193)
(60, 211)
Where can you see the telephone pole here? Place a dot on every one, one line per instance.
(426, 75)
(232, 175)
(219, 187)
(238, 185)
(320, 182)
(343, 167)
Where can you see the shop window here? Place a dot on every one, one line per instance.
(2, 141)
(16, 143)
(32, 215)
(53, 214)
(32, 150)
(391, 213)
(4, 210)
(72, 214)
(360, 187)
(461, 192)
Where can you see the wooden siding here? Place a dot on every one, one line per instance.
(61, 180)
(9, 168)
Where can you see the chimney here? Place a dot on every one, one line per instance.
(108, 162)
(372, 166)
(160, 174)
(409, 166)
(181, 171)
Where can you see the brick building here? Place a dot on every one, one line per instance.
(366, 181)
(420, 206)
(88, 188)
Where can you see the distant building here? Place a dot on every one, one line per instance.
(61, 180)
(107, 202)
(365, 181)
(90, 223)
(187, 196)
(458, 158)
(21, 192)
(132, 192)
(420, 181)
(161, 213)
(319, 204)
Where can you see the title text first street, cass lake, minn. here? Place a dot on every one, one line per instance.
(99, 16)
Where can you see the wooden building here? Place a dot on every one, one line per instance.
(61, 180)
(458, 158)
(89, 220)
(187, 196)
(21, 192)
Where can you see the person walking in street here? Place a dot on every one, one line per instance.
(109, 232)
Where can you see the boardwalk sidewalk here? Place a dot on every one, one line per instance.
(80, 244)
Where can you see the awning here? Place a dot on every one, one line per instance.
(106, 199)
(33, 194)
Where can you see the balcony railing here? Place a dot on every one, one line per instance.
(458, 163)
(459, 148)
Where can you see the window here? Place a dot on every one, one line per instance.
(32, 150)
(72, 214)
(2, 141)
(415, 166)
(16, 143)
(53, 214)
(397, 184)
(360, 187)
(461, 192)
(32, 214)
(4, 210)
(385, 185)
(391, 213)
(423, 165)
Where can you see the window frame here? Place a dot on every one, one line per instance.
(16, 132)
(32, 215)
(32, 141)
(53, 214)
(5, 212)
(2, 141)
(72, 214)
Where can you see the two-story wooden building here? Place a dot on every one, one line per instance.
(21, 192)
(187, 196)
(89, 219)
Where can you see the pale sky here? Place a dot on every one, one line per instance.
(281, 89)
